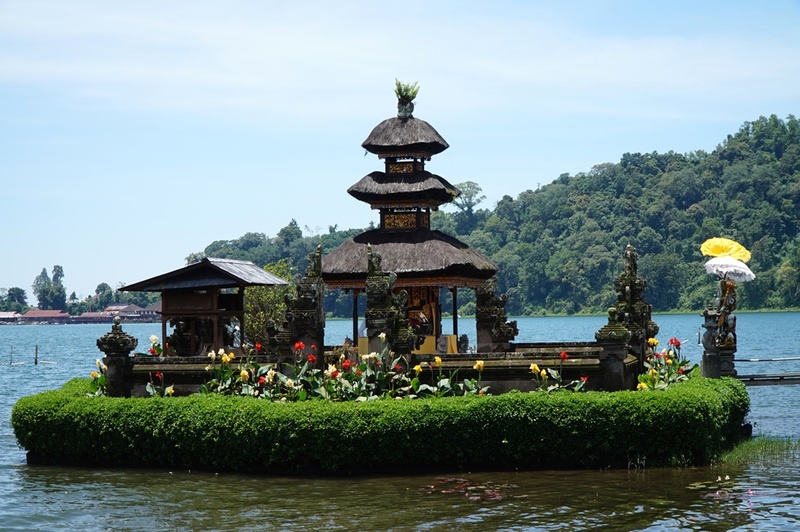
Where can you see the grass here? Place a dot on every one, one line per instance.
(762, 449)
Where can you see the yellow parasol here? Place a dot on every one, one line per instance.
(724, 247)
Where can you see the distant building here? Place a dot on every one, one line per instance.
(45, 316)
(9, 317)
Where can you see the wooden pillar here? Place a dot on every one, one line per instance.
(355, 317)
(455, 312)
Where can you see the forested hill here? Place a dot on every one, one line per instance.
(560, 247)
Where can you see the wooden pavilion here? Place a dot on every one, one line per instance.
(202, 299)
(423, 259)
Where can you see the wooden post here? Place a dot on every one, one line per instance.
(455, 312)
(355, 318)
(36, 356)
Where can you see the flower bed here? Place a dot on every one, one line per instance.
(690, 423)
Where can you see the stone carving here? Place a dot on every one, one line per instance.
(494, 331)
(719, 338)
(386, 309)
(305, 315)
(117, 342)
(631, 310)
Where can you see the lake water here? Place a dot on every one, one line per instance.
(760, 496)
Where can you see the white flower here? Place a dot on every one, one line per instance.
(212, 355)
(271, 375)
(221, 351)
(332, 370)
(289, 383)
(382, 336)
(153, 339)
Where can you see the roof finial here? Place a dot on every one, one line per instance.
(405, 92)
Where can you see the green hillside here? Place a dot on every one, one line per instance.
(560, 247)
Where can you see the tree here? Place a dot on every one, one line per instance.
(104, 295)
(265, 304)
(42, 288)
(466, 202)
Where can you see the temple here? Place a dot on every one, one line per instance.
(425, 261)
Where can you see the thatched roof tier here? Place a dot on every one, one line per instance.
(419, 258)
(404, 137)
(420, 188)
(208, 273)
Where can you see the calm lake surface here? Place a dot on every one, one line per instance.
(764, 496)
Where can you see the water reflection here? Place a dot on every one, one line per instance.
(663, 499)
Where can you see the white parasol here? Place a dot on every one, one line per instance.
(727, 267)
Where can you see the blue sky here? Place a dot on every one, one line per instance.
(135, 133)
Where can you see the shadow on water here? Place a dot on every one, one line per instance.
(660, 499)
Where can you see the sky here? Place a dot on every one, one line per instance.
(133, 134)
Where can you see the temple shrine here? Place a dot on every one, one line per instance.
(424, 260)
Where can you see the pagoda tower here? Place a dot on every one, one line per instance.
(405, 194)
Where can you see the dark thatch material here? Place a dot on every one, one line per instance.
(418, 188)
(396, 135)
(208, 273)
(423, 255)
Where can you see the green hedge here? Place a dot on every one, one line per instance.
(689, 424)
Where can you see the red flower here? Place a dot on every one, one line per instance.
(159, 375)
(398, 367)
(347, 364)
(674, 342)
(584, 379)
(564, 355)
(299, 346)
(680, 371)
(313, 347)
(358, 371)
(151, 351)
(335, 374)
(312, 359)
(262, 380)
(258, 347)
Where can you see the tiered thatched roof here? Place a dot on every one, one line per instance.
(420, 188)
(396, 136)
(422, 257)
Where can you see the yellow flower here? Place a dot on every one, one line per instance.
(652, 342)
(94, 374)
(641, 386)
(170, 390)
(437, 361)
(535, 368)
(244, 375)
(478, 365)
(543, 374)
(225, 359)
(418, 369)
(653, 372)
(669, 362)
(231, 355)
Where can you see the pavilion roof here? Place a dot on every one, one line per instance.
(396, 136)
(208, 273)
(417, 257)
(421, 187)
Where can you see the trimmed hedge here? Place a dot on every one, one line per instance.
(689, 424)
